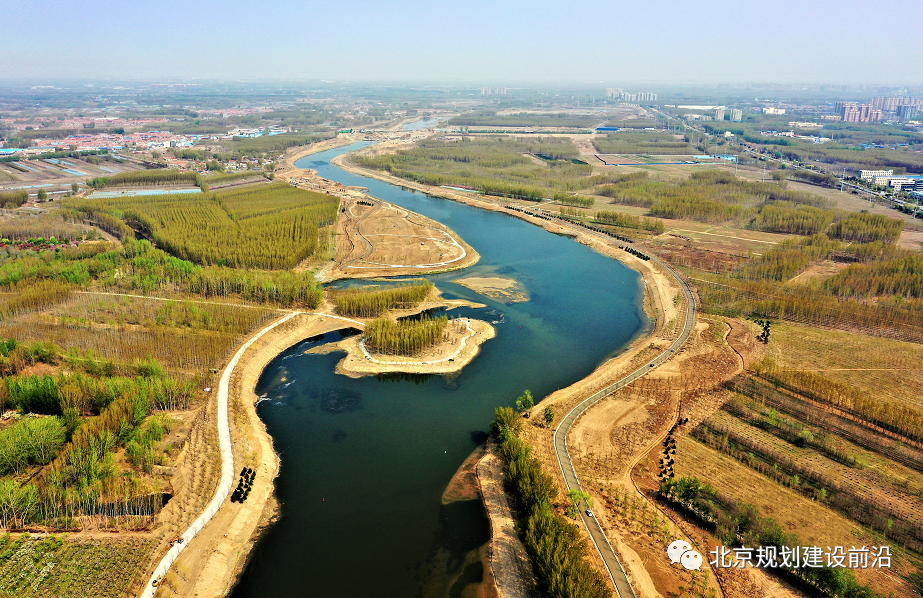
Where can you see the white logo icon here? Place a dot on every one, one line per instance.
(691, 560)
(680, 551)
(676, 550)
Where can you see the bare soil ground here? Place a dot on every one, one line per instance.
(376, 238)
(816, 524)
(882, 367)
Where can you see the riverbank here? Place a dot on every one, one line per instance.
(663, 303)
(231, 567)
(660, 292)
(212, 562)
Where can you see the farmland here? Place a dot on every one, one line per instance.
(269, 227)
(822, 410)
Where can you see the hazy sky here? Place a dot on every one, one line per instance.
(609, 41)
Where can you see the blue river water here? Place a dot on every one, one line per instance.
(365, 461)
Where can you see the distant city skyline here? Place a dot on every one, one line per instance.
(848, 42)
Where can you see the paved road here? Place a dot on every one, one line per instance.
(622, 586)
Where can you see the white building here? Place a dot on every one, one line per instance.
(876, 175)
(737, 115)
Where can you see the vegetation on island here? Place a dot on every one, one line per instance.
(371, 302)
(408, 336)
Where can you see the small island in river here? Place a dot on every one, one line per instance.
(505, 289)
(461, 343)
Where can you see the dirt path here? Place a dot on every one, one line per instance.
(508, 559)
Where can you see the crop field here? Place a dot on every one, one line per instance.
(268, 226)
(644, 142)
(815, 523)
(888, 368)
(49, 566)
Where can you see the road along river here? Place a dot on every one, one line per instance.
(365, 461)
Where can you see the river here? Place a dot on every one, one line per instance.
(365, 461)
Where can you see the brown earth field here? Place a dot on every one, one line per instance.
(375, 238)
(814, 523)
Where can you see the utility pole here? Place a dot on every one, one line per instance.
(764, 173)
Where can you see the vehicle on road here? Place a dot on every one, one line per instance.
(589, 513)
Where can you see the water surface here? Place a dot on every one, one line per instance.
(365, 461)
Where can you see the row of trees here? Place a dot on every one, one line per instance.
(901, 276)
(269, 226)
(653, 225)
(89, 394)
(13, 199)
(31, 441)
(372, 302)
(558, 553)
(490, 118)
(404, 337)
(741, 524)
(787, 217)
(574, 200)
(624, 142)
(496, 166)
(138, 266)
(788, 258)
(895, 521)
(768, 299)
(30, 296)
(863, 227)
(141, 178)
(901, 418)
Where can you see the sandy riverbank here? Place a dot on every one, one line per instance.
(662, 303)
(213, 561)
(217, 556)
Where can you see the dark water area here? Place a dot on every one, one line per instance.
(365, 461)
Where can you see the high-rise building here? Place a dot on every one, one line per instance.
(851, 112)
(906, 112)
(737, 115)
(892, 103)
(719, 113)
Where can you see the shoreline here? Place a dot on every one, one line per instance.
(229, 553)
(660, 303)
(360, 362)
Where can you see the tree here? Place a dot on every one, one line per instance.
(916, 581)
(42, 195)
(576, 497)
(75, 187)
(549, 415)
(525, 402)
(507, 422)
